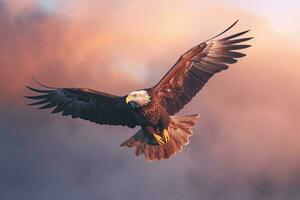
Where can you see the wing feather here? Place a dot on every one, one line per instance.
(87, 104)
(195, 67)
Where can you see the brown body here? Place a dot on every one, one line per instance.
(153, 117)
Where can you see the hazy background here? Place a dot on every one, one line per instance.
(245, 146)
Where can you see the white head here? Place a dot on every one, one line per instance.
(138, 98)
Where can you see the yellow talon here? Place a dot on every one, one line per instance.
(158, 139)
(166, 135)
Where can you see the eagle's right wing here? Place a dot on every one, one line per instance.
(98, 107)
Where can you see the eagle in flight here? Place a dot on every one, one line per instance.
(162, 134)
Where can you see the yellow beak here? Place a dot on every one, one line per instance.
(129, 98)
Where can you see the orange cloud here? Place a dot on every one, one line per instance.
(118, 47)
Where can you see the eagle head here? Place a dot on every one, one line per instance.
(138, 98)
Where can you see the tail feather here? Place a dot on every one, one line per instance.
(180, 129)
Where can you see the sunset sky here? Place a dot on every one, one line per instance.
(246, 144)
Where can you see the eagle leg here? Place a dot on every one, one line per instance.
(162, 139)
(156, 136)
(158, 139)
(166, 135)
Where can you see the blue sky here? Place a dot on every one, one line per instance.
(48, 5)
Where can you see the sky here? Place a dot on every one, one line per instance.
(245, 146)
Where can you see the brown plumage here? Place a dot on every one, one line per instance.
(162, 134)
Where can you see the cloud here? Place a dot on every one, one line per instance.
(55, 50)
(245, 146)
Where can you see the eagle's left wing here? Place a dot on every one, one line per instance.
(98, 107)
(195, 67)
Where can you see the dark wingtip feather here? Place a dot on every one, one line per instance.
(56, 110)
(235, 35)
(37, 97)
(39, 102)
(235, 54)
(237, 40)
(49, 105)
(223, 31)
(37, 82)
(237, 47)
(37, 90)
(29, 97)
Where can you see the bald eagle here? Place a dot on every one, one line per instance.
(162, 134)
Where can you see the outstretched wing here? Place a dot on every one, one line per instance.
(195, 67)
(86, 104)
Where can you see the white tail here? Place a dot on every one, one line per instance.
(180, 129)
